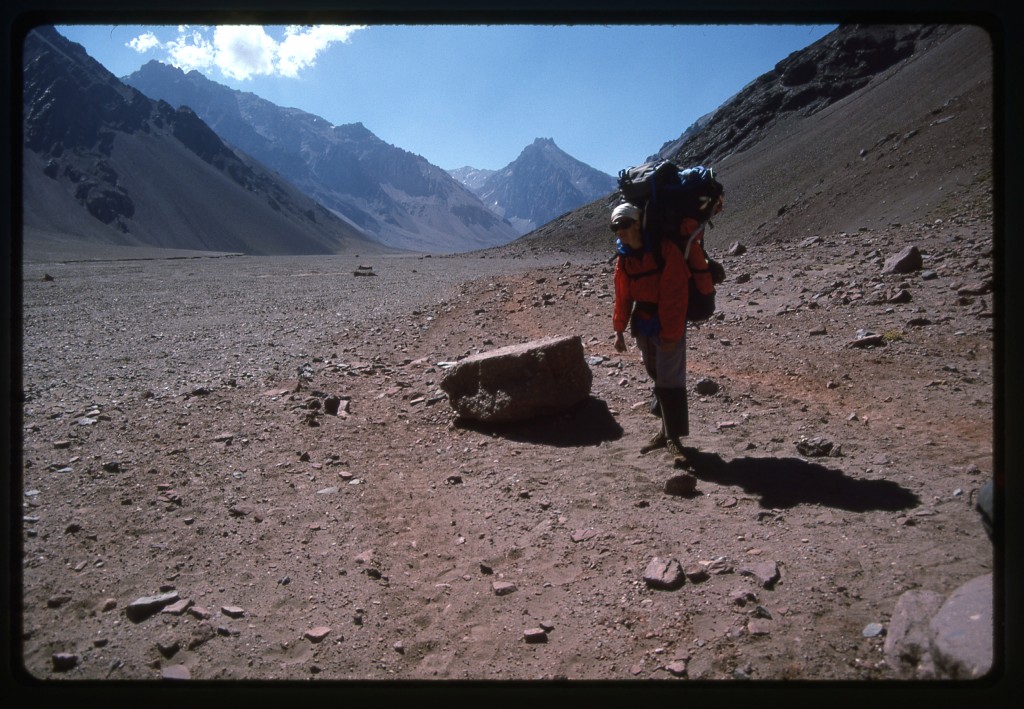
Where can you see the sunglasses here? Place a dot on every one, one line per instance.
(623, 224)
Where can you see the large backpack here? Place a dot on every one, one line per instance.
(667, 194)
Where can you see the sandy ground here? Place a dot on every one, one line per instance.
(176, 442)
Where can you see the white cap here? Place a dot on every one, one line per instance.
(626, 211)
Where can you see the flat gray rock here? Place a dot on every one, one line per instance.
(962, 642)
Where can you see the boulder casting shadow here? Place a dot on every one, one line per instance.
(787, 482)
(588, 423)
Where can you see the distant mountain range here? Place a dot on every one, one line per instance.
(396, 197)
(541, 184)
(104, 164)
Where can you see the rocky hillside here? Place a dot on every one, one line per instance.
(104, 164)
(544, 182)
(799, 149)
(398, 198)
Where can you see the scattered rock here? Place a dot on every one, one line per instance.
(142, 608)
(317, 634)
(766, 573)
(696, 573)
(232, 611)
(816, 447)
(535, 635)
(873, 630)
(503, 588)
(202, 633)
(664, 574)
(681, 485)
(676, 668)
(175, 672)
(64, 661)
(168, 646)
(906, 261)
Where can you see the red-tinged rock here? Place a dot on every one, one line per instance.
(232, 611)
(535, 635)
(503, 588)
(178, 608)
(582, 535)
(766, 573)
(677, 668)
(317, 634)
(666, 574)
(199, 612)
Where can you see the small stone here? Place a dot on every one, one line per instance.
(758, 626)
(681, 485)
(696, 573)
(64, 661)
(503, 588)
(666, 574)
(677, 668)
(142, 608)
(317, 634)
(58, 600)
(766, 573)
(168, 646)
(232, 611)
(742, 596)
(175, 672)
(178, 608)
(535, 635)
(873, 630)
(581, 535)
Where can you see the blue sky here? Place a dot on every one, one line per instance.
(476, 94)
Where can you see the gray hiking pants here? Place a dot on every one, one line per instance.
(666, 369)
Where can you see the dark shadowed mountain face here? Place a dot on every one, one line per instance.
(542, 183)
(397, 197)
(868, 127)
(105, 164)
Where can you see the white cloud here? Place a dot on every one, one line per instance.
(144, 42)
(243, 51)
(301, 45)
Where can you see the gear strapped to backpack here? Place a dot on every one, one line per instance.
(667, 194)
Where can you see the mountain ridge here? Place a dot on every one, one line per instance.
(542, 183)
(796, 148)
(104, 164)
(395, 196)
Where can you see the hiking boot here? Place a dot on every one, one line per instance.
(680, 459)
(655, 443)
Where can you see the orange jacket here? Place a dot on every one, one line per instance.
(639, 280)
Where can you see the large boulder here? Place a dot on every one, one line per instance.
(934, 638)
(519, 382)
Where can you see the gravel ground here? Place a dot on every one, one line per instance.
(176, 442)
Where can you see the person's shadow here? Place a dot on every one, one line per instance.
(588, 423)
(787, 482)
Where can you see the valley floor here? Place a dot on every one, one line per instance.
(175, 441)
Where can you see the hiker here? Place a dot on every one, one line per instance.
(651, 296)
